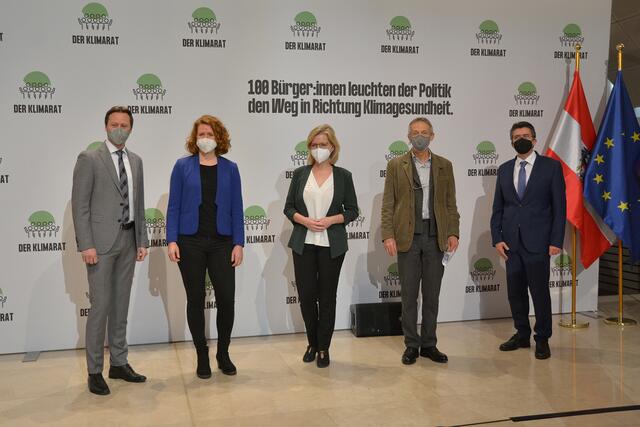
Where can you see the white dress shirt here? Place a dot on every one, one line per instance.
(531, 159)
(424, 174)
(125, 158)
(317, 199)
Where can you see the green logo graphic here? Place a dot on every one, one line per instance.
(300, 154)
(306, 25)
(571, 35)
(489, 33)
(483, 270)
(397, 149)
(208, 284)
(41, 224)
(527, 94)
(562, 264)
(94, 145)
(3, 298)
(149, 88)
(392, 277)
(155, 221)
(358, 221)
(37, 85)
(204, 21)
(485, 153)
(255, 218)
(95, 17)
(400, 29)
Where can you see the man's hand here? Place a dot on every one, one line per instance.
(390, 246)
(501, 247)
(452, 244)
(174, 252)
(236, 256)
(90, 256)
(554, 250)
(141, 255)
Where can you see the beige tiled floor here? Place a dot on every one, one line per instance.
(365, 385)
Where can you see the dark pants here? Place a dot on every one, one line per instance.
(422, 263)
(317, 276)
(197, 255)
(529, 270)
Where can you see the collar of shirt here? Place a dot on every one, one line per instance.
(418, 162)
(531, 159)
(112, 148)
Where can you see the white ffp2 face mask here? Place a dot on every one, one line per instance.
(206, 145)
(320, 154)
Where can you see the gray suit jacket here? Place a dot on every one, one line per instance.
(96, 200)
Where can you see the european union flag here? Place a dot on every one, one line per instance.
(612, 181)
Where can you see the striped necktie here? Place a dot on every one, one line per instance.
(124, 187)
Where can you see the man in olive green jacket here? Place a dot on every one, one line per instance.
(420, 222)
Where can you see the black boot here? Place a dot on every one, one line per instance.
(225, 364)
(203, 370)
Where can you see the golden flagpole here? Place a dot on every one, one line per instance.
(573, 323)
(620, 320)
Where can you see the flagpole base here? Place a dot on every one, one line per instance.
(570, 324)
(625, 321)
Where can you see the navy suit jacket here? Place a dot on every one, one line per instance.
(185, 197)
(537, 221)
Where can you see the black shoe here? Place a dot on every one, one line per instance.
(97, 385)
(323, 359)
(225, 364)
(434, 354)
(514, 343)
(204, 369)
(410, 356)
(126, 372)
(309, 355)
(542, 350)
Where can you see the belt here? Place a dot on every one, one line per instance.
(127, 226)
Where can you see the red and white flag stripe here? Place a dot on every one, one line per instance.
(574, 134)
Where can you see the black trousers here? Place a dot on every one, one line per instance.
(529, 270)
(317, 276)
(197, 255)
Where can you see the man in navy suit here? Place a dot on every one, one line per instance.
(527, 227)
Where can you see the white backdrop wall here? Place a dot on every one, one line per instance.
(63, 64)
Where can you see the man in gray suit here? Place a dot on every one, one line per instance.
(108, 215)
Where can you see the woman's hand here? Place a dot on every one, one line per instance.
(236, 256)
(173, 251)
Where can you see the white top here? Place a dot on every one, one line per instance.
(531, 159)
(127, 166)
(317, 199)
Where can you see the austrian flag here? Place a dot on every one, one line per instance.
(571, 143)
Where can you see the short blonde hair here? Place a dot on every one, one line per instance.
(331, 136)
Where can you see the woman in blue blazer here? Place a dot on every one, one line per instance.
(205, 232)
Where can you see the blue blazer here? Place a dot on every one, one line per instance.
(185, 197)
(537, 221)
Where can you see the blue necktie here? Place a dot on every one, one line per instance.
(522, 179)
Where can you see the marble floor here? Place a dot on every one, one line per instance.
(365, 385)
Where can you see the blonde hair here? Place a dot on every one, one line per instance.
(331, 136)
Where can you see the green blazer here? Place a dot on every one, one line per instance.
(344, 202)
(398, 201)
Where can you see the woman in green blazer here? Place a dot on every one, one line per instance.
(320, 203)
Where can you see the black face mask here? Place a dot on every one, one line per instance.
(523, 145)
